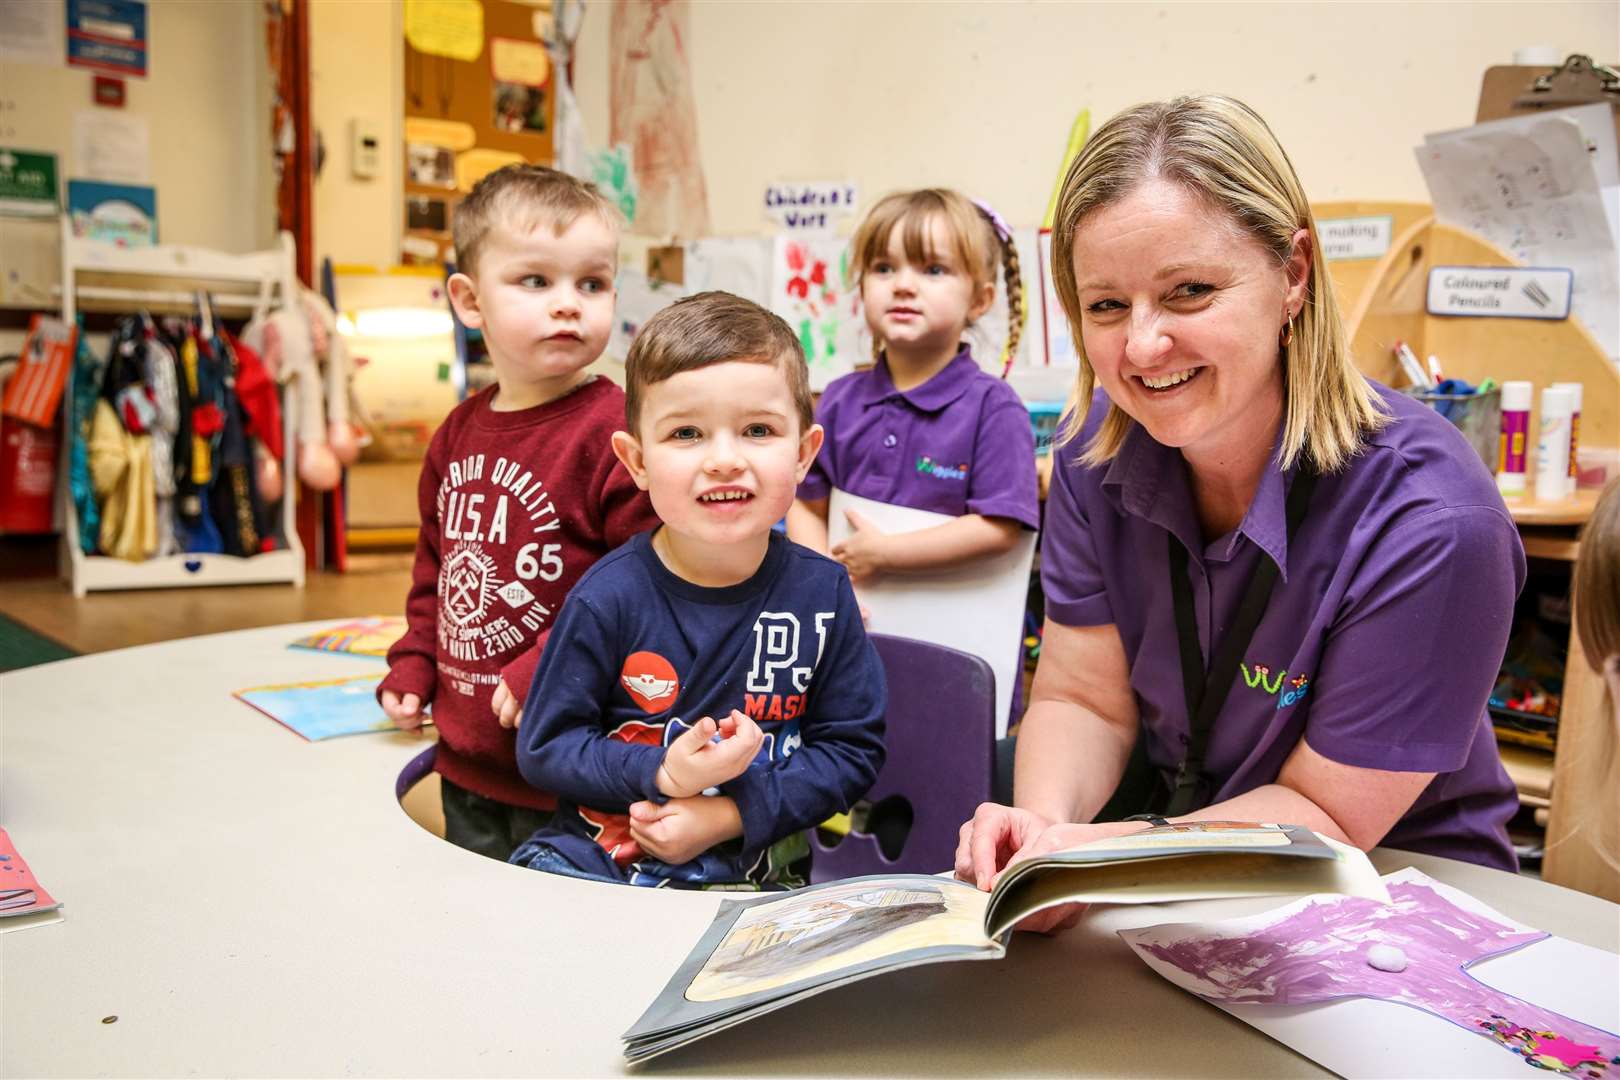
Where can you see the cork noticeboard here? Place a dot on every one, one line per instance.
(479, 94)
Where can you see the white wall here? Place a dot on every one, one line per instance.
(206, 103)
(356, 58)
(980, 95)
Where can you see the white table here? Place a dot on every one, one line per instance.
(247, 903)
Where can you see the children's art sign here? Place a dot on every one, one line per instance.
(107, 36)
(1501, 292)
(124, 215)
(810, 206)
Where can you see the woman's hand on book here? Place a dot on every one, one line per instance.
(1062, 837)
(991, 838)
(709, 753)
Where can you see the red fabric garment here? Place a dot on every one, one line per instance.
(256, 390)
(508, 500)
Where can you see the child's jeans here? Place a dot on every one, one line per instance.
(487, 826)
(539, 855)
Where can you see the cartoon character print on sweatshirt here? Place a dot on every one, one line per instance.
(495, 517)
(775, 695)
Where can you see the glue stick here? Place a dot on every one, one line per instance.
(1552, 447)
(1574, 434)
(1510, 470)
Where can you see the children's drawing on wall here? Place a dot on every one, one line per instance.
(1416, 951)
(426, 215)
(654, 113)
(784, 942)
(613, 173)
(809, 290)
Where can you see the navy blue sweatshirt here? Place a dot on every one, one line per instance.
(639, 655)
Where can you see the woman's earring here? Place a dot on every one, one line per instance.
(1287, 336)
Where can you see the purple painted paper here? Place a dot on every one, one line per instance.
(1318, 953)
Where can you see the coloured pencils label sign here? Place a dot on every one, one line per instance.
(1501, 292)
(107, 36)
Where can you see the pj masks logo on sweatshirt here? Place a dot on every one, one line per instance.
(651, 680)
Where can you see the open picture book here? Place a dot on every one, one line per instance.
(765, 952)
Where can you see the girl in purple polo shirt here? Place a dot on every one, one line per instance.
(925, 427)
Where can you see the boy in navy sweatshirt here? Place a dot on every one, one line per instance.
(708, 691)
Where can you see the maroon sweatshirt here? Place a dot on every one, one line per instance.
(515, 507)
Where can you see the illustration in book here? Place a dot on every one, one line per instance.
(1419, 951)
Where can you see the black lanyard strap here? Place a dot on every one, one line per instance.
(1206, 694)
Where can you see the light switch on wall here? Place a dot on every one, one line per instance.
(365, 148)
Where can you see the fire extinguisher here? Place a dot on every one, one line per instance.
(27, 472)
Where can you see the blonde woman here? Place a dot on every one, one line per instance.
(1286, 588)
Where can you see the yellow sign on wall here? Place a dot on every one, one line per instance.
(453, 28)
(474, 165)
(522, 62)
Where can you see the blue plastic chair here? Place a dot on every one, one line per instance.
(941, 754)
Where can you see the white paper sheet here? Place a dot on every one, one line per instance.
(1060, 350)
(740, 265)
(112, 146)
(639, 299)
(978, 608)
(1546, 190)
(34, 32)
(989, 334)
(1367, 1037)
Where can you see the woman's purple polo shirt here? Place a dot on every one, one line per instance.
(1382, 639)
(958, 444)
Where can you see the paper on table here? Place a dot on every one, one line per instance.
(977, 608)
(1404, 1021)
(1531, 186)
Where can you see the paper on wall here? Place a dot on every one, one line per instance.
(639, 299)
(978, 608)
(111, 146)
(34, 33)
(740, 265)
(989, 335)
(1546, 190)
(1060, 351)
(808, 289)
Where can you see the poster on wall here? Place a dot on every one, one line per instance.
(107, 36)
(808, 291)
(27, 183)
(653, 111)
(124, 215)
(33, 34)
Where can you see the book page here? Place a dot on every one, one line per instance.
(819, 932)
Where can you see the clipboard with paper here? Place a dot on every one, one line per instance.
(978, 608)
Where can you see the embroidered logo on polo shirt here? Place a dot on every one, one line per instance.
(651, 680)
(1287, 691)
(941, 471)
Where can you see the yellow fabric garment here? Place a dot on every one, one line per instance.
(125, 486)
(201, 467)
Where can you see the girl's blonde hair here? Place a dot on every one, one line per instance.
(1220, 151)
(979, 245)
(1596, 586)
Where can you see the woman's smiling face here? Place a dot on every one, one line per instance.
(1180, 316)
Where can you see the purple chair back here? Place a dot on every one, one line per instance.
(941, 729)
(414, 771)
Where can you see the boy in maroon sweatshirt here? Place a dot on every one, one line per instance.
(520, 492)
